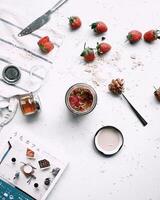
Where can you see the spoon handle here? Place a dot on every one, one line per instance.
(143, 121)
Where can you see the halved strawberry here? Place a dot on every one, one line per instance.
(74, 101)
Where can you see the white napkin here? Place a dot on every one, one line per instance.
(24, 53)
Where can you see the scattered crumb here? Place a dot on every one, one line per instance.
(133, 57)
(88, 70)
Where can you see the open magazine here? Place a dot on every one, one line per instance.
(27, 172)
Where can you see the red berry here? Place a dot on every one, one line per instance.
(99, 27)
(151, 35)
(74, 101)
(103, 48)
(75, 22)
(88, 54)
(43, 40)
(89, 57)
(45, 44)
(47, 47)
(134, 36)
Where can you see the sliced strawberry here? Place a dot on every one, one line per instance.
(74, 101)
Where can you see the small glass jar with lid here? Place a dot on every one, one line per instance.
(29, 103)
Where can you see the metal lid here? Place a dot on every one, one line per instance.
(11, 74)
(108, 140)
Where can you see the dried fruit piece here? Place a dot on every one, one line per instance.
(116, 86)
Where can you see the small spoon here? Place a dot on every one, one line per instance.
(143, 121)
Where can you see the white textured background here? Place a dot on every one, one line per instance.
(134, 172)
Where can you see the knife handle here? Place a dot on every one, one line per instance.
(57, 5)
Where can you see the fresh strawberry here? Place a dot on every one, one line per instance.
(43, 40)
(103, 48)
(47, 47)
(151, 35)
(45, 44)
(134, 36)
(74, 22)
(88, 54)
(99, 27)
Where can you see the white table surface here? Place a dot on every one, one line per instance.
(134, 172)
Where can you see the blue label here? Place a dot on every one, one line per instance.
(9, 192)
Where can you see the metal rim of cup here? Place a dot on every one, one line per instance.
(94, 97)
(105, 154)
(6, 79)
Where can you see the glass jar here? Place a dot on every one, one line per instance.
(81, 99)
(29, 103)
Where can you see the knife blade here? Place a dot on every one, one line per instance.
(42, 20)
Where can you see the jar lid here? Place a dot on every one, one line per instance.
(108, 140)
(11, 74)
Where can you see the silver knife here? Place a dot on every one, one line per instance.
(42, 20)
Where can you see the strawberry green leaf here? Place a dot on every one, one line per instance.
(71, 20)
(129, 36)
(93, 25)
(83, 54)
